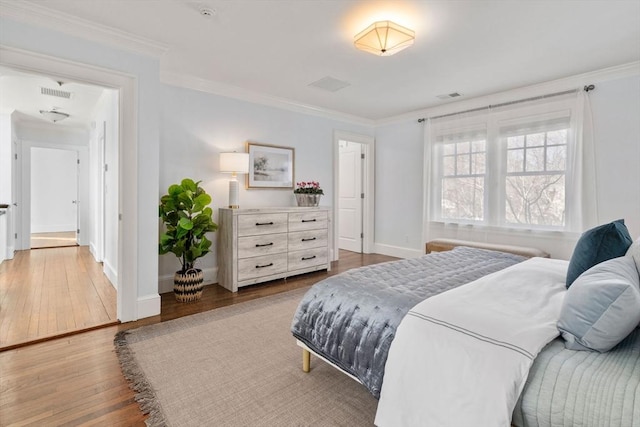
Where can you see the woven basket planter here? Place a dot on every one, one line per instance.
(187, 287)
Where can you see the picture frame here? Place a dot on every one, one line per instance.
(270, 166)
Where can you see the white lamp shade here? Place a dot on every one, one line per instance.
(234, 162)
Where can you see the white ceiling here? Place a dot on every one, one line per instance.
(22, 92)
(278, 47)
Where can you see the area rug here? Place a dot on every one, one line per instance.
(237, 366)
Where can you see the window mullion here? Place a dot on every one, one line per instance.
(495, 167)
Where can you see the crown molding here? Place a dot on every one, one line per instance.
(42, 16)
(235, 92)
(558, 85)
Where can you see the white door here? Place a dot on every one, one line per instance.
(350, 196)
(54, 190)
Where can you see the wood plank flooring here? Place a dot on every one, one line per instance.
(50, 292)
(77, 380)
(53, 240)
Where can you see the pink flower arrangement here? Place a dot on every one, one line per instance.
(311, 187)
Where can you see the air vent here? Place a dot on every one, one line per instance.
(449, 95)
(330, 84)
(55, 92)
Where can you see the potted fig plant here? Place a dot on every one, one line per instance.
(187, 218)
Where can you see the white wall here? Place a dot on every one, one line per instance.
(5, 158)
(5, 185)
(196, 127)
(54, 189)
(399, 190)
(616, 123)
(8, 187)
(104, 211)
(616, 108)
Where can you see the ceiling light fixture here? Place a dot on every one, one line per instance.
(53, 115)
(384, 38)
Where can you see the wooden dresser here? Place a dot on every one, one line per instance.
(257, 245)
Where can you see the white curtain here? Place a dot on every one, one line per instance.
(546, 114)
(584, 194)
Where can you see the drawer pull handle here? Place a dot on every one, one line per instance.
(309, 220)
(306, 258)
(263, 266)
(264, 223)
(308, 240)
(263, 245)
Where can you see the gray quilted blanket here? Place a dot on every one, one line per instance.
(582, 388)
(351, 318)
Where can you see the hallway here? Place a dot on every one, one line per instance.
(52, 292)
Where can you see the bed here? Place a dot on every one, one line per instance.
(350, 320)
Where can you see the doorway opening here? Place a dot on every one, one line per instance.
(54, 197)
(353, 193)
(59, 175)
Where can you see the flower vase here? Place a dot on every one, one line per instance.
(308, 200)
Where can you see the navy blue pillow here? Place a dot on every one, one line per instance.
(597, 245)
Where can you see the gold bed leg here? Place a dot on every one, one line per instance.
(306, 360)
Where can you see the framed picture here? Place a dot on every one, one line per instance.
(270, 166)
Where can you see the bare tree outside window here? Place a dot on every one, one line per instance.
(535, 181)
(463, 181)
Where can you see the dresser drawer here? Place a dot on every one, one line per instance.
(299, 221)
(267, 244)
(307, 258)
(251, 268)
(307, 239)
(255, 224)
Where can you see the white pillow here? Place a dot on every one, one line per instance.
(634, 252)
(602, 306)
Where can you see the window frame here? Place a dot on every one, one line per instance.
(496, 155)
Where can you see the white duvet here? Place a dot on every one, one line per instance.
(461, 358)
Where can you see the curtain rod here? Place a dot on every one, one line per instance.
(587, 88)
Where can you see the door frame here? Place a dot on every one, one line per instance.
(127, 87)
(368, 186)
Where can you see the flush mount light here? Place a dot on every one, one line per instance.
(53, 115)
(384, 38)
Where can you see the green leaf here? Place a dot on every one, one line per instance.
(174, 190)
(185, 199)
(200, 202)
(185, 223)
(188, 184)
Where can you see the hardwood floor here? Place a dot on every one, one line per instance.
(51, 292)
(53, 240)
(77, 380)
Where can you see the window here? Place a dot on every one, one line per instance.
(535, 177)
(503, 168)
(463, 179)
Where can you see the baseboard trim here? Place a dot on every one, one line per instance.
(396, 251)
(111, 273)
(53, 228)
(165, 282)
(148, 306)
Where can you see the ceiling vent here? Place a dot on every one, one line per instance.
(449, 95)
(329, 84)
(55, 92)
